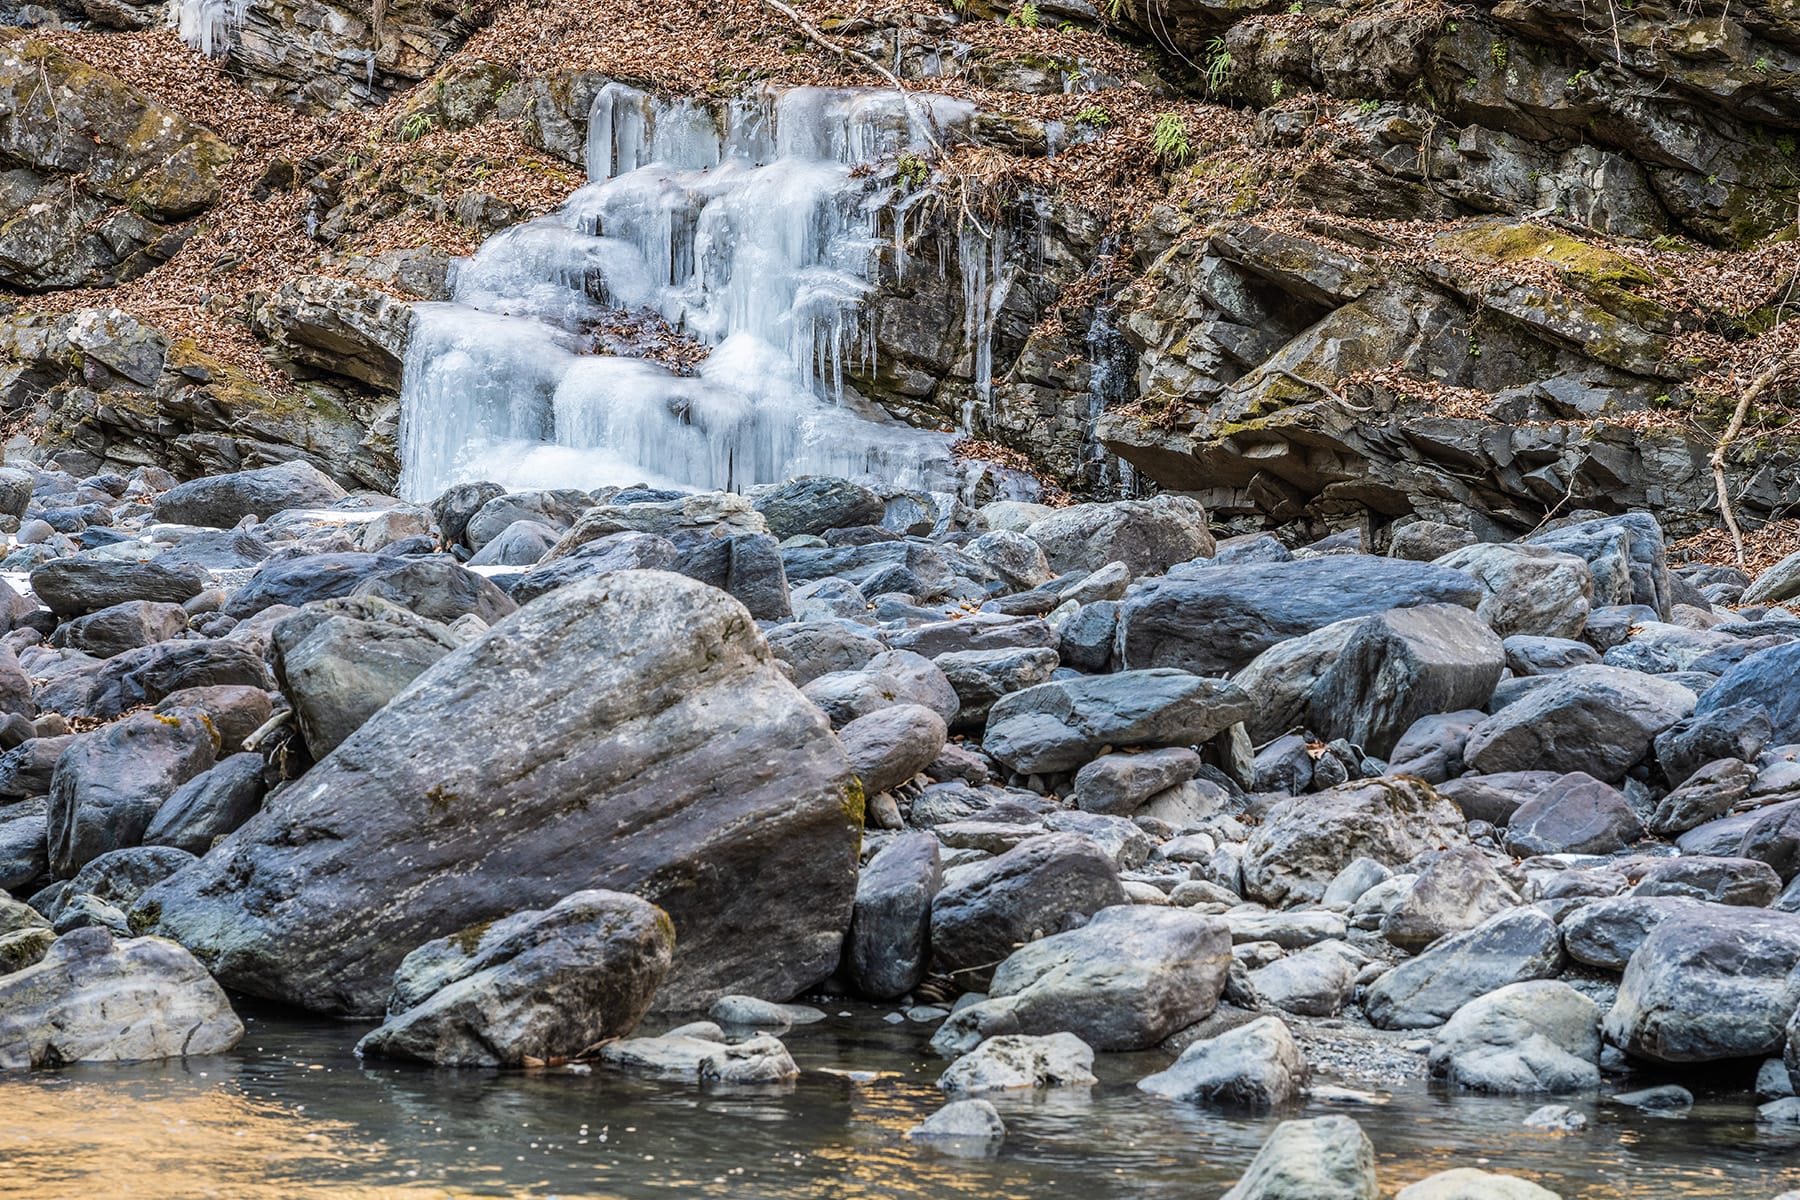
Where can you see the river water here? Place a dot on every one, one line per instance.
(292, 1114)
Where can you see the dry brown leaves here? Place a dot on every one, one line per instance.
(1763, 547)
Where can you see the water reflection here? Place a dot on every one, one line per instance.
(293, 1115)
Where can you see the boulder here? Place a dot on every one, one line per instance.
(891, 678)
(1537, 1036)
(1016, 1061)
(988, 907)
(1596, 719)
(1530, 590)
(221, 501)
(1432, 746)
(1120, 783)
(623, 551)
(963, 1120)
(1061, 725)
(1526, 655)
(555, 510)
(814, 648)
(209, 806)
(1778, 583)
(1764, 679)
(128, 626)
(1575, 814)
(556, 984)
(88, 583)
(1214, 620)
(110, 783)
(1126, 980)
(890, 746)
(1740, 881)
(888, 946)
(1472, 1183)
(149, 676)
(1401, 665)
(1304, 842)
(1016, 559)
(1714, 982)
(813, 504)
(1324, 1158)
(1626, 557)
(1148, 536)
(980, 677)
(1738, 730)
(1314, 982)
(340, 661)
(703, 1054)
(1458, 889)
(1708, 793)
(1256, 1066)
(93, 999)
(746, 566)
(627, 733)
(1606, 932)
(1517, 945)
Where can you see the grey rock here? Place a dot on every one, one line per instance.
(520, 544)
(1597, 719)
(1432, 746)
(221, 501)
(1608, 931)
(1537, 1036)
(1780, 582)
(128, 626)
(1517, 945)
(1061, 725)
(1546, 655)
(1706, 794)
(1731, 731)
(719, 795)
(1315, 982)
(209, 806)
(1257, 1066)
(890, 746)
(890, 678)
(1667, 1098)
(1575, 814)
(1459, 889)
(1014, 557)
(1626, 556)
(1148, 536)
(814, 648)
(1763, 679)
(1472, 1183)
(961, 1119)
(887, 949)
(555, 510)
(815, 503)
(627, 550)
(1740, 881)
(1016, 1061)
(113, 686)
(980, 677)
(87, 583)
(1324, 1158)
(746, 566)
(1120, 783)
(1531, 590)
(1304, 842)
(1715, 982)
(575, 974)
(987, 908)
(91, 999)
(109, 784)
(1494, 798)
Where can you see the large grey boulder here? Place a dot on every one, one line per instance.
(814, 648)
(1324, 1158)
(1305, 841)
(221, 501)
(1401, 665)
(1255, 1066)
(1061, 725)
(88, 583)
(1538, 1036)
(627, 733)
(1217, 619)
(119, 684)
(1472, 1183)
(551, 986)
(1120, 783)
(980, 677)
(1596, 719)
(93, 999)
(1529, 589)
(890, 746)
(1126, 980)
(110, 783)
(209, 806)
(1705, 795)
(888, 946)
(988, 907)
(339, 661)
(891, 678)
(1457, 890)
(1779, 583)
(1148, 536)
(1626, 556)
(1016, 1061)
(813, 504)
(703, 1054)
(1575, 814)
(1764, 678)
(1607, 932)
(1518, 945)
(128, 626)
(628, 550)
(555, 510)
(1714, 982)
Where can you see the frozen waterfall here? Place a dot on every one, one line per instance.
(750, 226)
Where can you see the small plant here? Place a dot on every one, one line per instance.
(416, 126)
(914, 171)
(1760, 66)
(1366, 107)
(1497, 52)
(1218, 65)
(1451, 26)
(1115, 10)
(1066, 27)
(1785, 144)
(1275, 90)
(1474, 347)
(1027, 16)
(1169, 143)
(1296, 8)
(1575, 79)
(1095, 116)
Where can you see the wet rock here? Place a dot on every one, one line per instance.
(1257, 1066)
(1470, 1183)
(340, 661)
(757, 1061)
(813, 504)
(1015, 1061)
(981, 677)
(1606, 932)
(88, 583)
(1740, 881)
(988, 907)
(209, 806)
(128, 626)
(221, 501)
(1459, 889)
(887, 948)
(93, 999)
(1213, 620)
(1324, 1158)
(1126, 980)
(1518, 945)
(1716, 982)
(1304, 842)
(110, 783)
(1576, 814)
(1597, 719)
(568, 977)
(1148, 536)
(972, 1120)
(1528, 589)
(1556, 1118)
(1120, 783)
(1537, 1036)
(1061, 725)
(1668, 1098)
(719, 795)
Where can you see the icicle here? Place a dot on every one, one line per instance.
(207, 25)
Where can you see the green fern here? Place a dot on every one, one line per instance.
(1169, 143)
(1218, 65)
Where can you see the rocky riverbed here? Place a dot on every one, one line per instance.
(643, 785)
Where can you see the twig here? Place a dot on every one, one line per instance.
(1316, 386)
(1732, 430)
